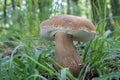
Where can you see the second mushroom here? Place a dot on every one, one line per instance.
(64, 29)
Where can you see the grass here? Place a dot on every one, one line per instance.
(25, 56)
(31, 58)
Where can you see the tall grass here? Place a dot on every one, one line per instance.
(27, 57)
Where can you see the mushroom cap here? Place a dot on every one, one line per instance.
(80, 28)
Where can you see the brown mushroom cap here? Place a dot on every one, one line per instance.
(80, 28)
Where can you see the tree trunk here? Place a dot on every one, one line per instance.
(98, 10)
(101, 12)
(44, 7)
(72, 7)
(5, 14)
(115, 7)
(13, 4)
(68, 7)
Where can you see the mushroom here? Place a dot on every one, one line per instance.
(64, 29)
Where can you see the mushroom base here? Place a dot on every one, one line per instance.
(66, 53)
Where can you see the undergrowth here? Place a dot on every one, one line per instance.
(25, 56)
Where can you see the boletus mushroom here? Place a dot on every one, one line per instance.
(64, 29)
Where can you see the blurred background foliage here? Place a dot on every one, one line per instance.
(25, 56)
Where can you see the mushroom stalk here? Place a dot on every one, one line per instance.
(66, 53)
